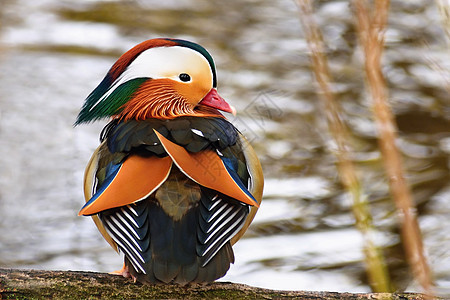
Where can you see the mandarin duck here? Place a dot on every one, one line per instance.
(173, 184)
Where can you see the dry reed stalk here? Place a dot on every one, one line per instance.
(375, 264)
(370, 28)
(444, 10)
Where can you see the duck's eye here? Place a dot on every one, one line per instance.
(184, 77)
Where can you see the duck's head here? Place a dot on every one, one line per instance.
(159, 78)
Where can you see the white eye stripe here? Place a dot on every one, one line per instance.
(168, 62)
(162, 62)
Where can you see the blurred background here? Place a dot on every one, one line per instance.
(53, 53)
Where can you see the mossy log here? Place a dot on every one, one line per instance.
(34, 284)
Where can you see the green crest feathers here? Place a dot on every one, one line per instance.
(97, 106)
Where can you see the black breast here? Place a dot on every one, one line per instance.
(193, 133)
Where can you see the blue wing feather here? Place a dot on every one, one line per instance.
(232, 166)
(111, 172)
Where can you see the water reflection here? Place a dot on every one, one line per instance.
(303, 237)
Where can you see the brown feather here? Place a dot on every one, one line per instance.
(256, 173)
(89, 176)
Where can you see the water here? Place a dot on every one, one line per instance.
(53, 53)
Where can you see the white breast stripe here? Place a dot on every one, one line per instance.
(132, 210)
(133, 231)
(130, 218)
(218, 248)
(215, 203)
(219, 219)
(222, 224)
(126, 232)
(217, 212)
(119, 235)
(137, 266)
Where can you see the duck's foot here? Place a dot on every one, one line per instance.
(123, 272)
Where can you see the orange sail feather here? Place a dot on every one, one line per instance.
(137, 178)
(207, 169)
